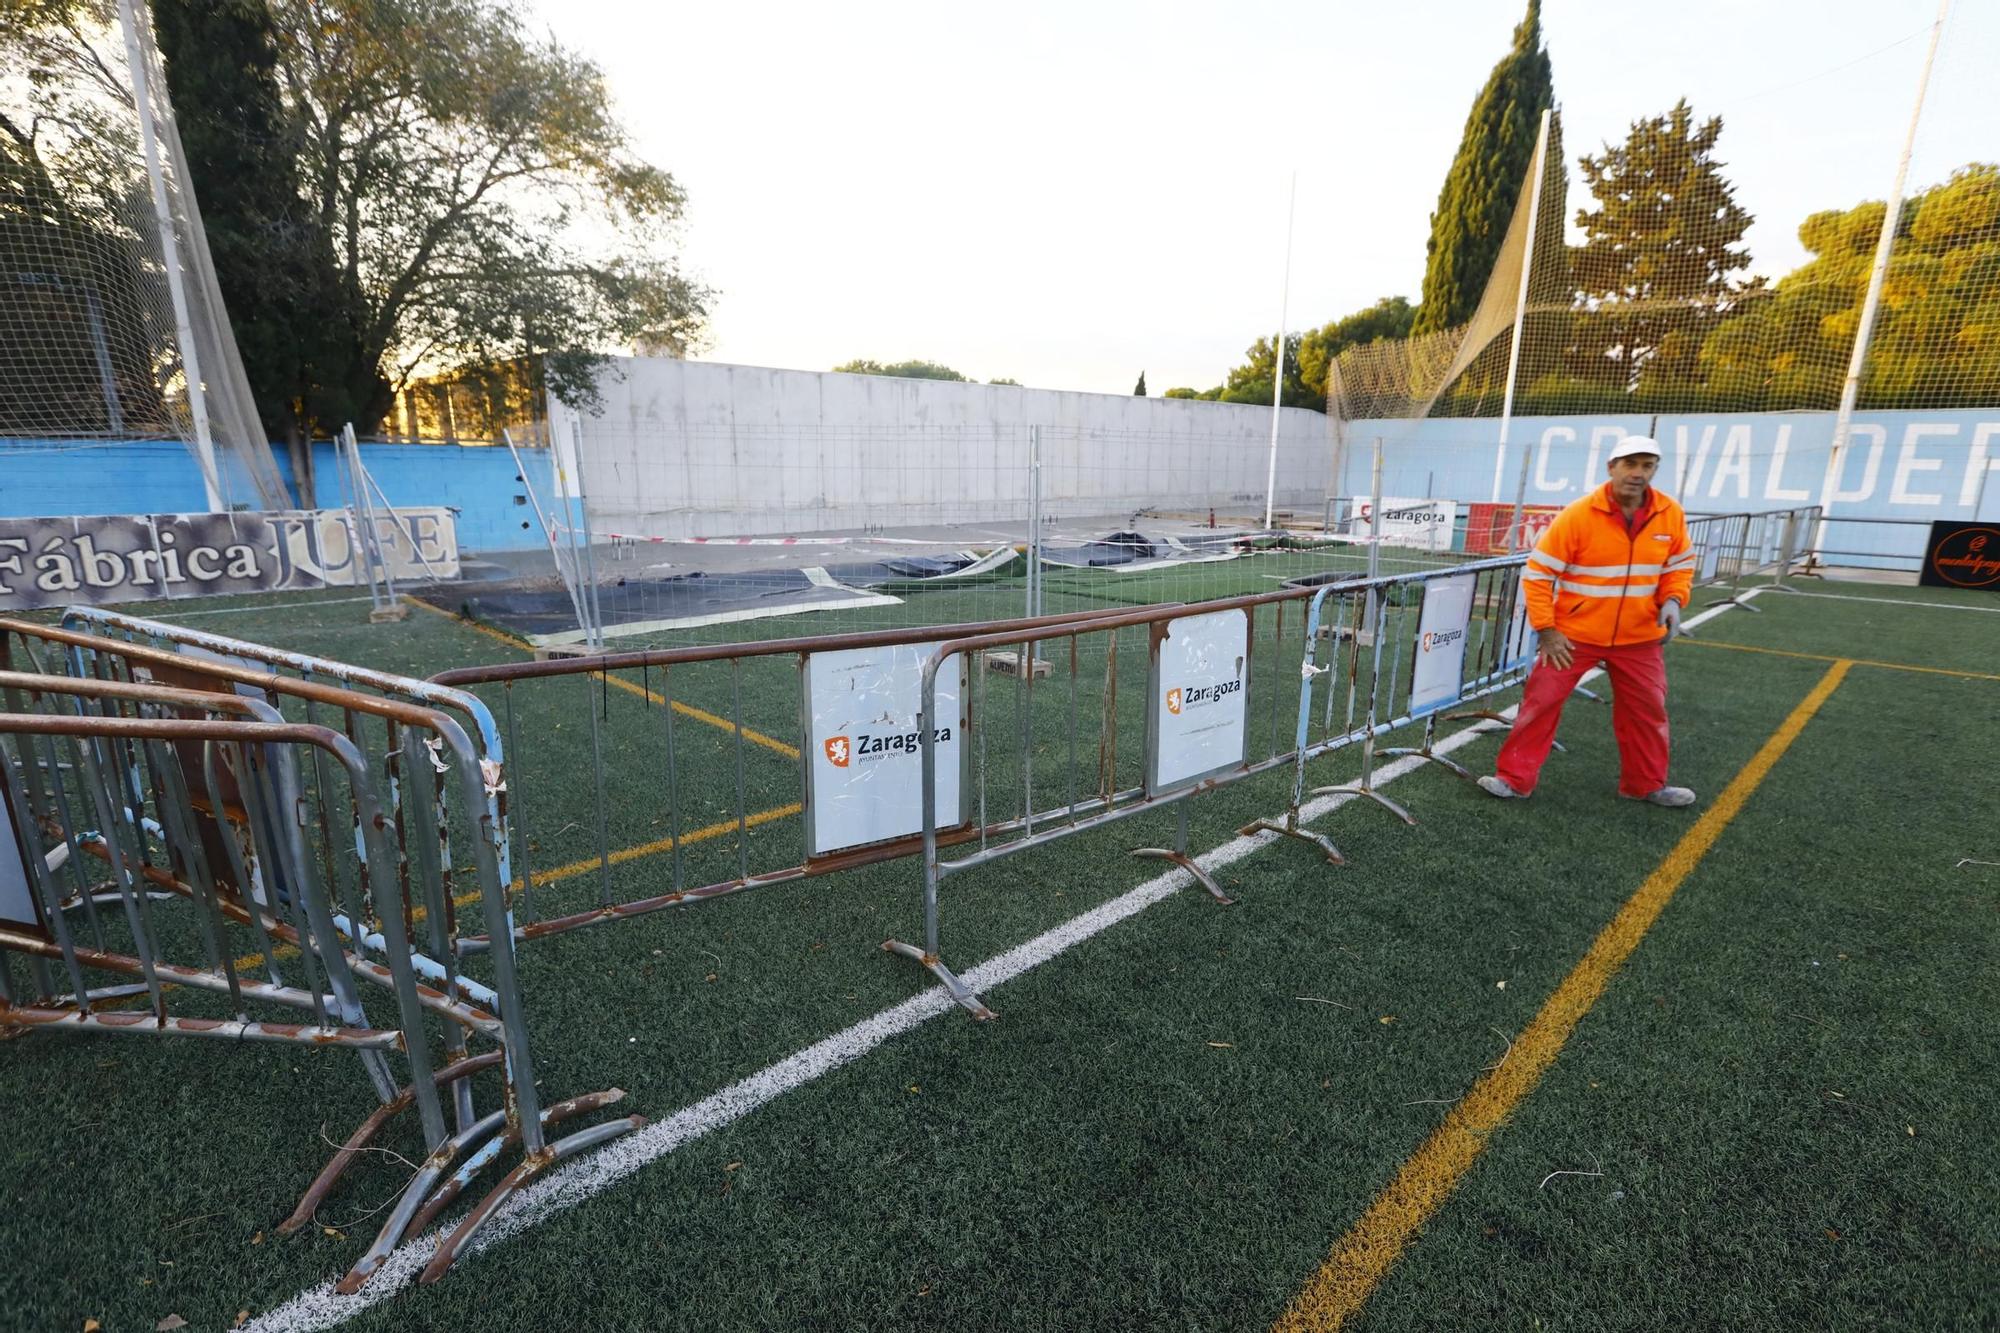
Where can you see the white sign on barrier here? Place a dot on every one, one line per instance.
(1200, 683)
(1422, 524)
(17, 897)
(1438, 668)
(1522, 641)
(864, 754)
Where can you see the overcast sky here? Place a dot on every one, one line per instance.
(1068, 193)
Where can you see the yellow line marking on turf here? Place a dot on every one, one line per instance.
(618, 682)
(585, 866)
(1361, 1258)
(1821, 657)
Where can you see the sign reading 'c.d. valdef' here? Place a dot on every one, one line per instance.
(97, 559)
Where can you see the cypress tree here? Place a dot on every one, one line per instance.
(1485, 179)
(270, 263)
(1139, 389)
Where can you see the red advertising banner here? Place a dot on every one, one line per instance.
(1486, 527)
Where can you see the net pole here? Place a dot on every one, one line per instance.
(1278, 362)
(1538, 170)
(1850, 389)
(142, 100)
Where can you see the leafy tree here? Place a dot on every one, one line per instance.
(453, 163)
(1936, 341)
(1655, 272)
(1139, 389)
(1004, 380)
(1251, 381)
(1199, 394)
(1390, 317)
(908, 370)
(1485, 179)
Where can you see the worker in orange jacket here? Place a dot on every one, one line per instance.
(1605, 586)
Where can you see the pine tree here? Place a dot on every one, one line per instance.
(1139, 389)
(1656, 271)
(1485, 179)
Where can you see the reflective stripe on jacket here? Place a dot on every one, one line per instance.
(1602, 581)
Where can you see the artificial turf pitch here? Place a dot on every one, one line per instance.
(1775, 1115)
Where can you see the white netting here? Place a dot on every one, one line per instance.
(1643, 298)
(100, 323)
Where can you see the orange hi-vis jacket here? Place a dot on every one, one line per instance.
(1601, 580)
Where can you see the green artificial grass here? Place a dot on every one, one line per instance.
(1173, 1121)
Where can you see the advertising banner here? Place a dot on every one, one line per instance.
(1962, 555)
(1200, 679)
(1422, 524)
(1486, 527)
(1438, 669)
(864, 755)
(94, 560)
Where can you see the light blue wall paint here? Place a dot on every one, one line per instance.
(58, 477)
(1916, 466)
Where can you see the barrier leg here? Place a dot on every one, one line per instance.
(1366, 786)
(1424, 751)
(1178, 855)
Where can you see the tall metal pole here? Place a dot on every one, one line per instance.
(142, 100)
(1539, 170)
(1278, 358)
(1850, 389)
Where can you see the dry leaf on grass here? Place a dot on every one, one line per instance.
(169, 1324)
(1223, 1045)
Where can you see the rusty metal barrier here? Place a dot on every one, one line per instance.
(239, 844)
(1200, 712)
(661, 680)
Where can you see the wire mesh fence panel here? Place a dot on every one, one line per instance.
(111, 321)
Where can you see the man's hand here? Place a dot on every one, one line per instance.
(1553, 650)
(1670, 616)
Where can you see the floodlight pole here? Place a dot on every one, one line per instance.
(1539, 169)
(1278, 361)
(170, 258)
(1850, 389)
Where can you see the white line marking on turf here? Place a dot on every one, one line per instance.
(322, 1307)
(1884, 601)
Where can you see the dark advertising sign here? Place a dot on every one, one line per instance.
(1962, 555)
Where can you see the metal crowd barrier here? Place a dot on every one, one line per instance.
(1200, 713)
(668, 682)
(277, 833)
(1732, 550)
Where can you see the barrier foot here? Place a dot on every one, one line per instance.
(425, 1197)
(1504, 722)
(559, 1151)
(1187, 863)
(1373, 795)
(1435, 758)
(330, 1174)
(958, 990)
(1319, 840)
(1591, 695)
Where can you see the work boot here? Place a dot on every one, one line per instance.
(1674, 798)
(1494, 786)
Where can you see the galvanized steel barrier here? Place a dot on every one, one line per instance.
(1198, 716)
(1733, 550)
(170, 787)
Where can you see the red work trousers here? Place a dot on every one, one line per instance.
(1638, 716)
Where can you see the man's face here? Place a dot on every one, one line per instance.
(1632, 474)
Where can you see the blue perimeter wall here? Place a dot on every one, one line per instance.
(1909, 466)
(50, 478)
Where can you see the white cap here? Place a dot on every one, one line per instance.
(1634, 444)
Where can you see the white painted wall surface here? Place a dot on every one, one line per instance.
(700, 449)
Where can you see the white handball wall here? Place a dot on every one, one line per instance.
(700, 449)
